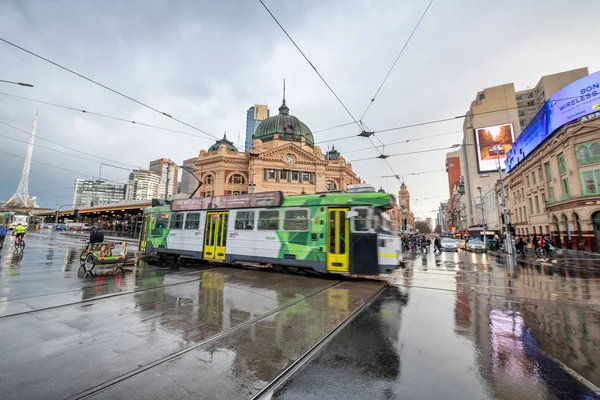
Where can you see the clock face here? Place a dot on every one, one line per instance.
(290, 159)
(403, 202)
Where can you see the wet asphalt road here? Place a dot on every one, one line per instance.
(456, 326)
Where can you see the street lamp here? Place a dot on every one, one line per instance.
(17, 83)
(482, 213)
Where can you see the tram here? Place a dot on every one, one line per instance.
(343, 233)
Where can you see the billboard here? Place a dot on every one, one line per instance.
(492, 144)
(266, 199)
(572, 103)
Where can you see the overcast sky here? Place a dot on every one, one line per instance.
(206, 62)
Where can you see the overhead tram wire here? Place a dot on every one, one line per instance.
(106, 87)
(406, 141)
(403, 154)
(407, 174)
(68, 154)
(334, 127)
(103, 115)
(67, 147)
(50, 165)
(396, 61)
(311, 64)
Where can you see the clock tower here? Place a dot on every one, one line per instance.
(404, 198)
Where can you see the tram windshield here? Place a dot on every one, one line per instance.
(382, 221)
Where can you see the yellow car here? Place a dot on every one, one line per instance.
(462, 244)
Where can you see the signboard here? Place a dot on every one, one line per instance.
(578, 101)
(492, 144)
(266, 199)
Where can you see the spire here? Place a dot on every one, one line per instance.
(284, 110)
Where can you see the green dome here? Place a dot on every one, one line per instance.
(286, 126)
(224, 141)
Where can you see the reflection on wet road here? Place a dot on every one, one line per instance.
(456, 326)
(212, 333)
(461, 326)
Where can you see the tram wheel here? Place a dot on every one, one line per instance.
(90, 262)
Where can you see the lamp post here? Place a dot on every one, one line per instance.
(482, 213)
(57, 210)
(17, 83)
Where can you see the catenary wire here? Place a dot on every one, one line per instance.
(310, 63)
(334, 127)
(50, 165)
(396, 61)
(403, 154)
(67, 147)
(405, 141)
(103, 115)
(408, 173)
(106, 87)
(63, 152)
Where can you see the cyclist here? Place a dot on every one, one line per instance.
(2, 235)
(20, 234)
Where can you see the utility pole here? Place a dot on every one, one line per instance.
(482, 214)
(168, 180)
(505, 216)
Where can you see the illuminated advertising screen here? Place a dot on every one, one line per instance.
(572, 103)
(492, 144)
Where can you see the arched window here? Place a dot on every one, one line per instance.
(583, 153)
(237, 179)
(595, 150)
(208, 180)
(566, 224)
(578, 227)
(330, 185)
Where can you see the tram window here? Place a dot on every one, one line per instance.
(177, 221)
(244, 220)
(295, 220)
(192, 221)
(361, 221)
(268, 220)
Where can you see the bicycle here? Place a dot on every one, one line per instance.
(20, 242)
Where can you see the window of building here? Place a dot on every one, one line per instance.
(528, 182)
(208, 194)
(520, 104)
(590, 182)
(530, 103)
(192, 221)
(548, 171)
(543, 198)
(208, 180)
(562, 166)
(578, 227)
(237, 179)
(530, 206)
(361, 222)
(306, 177)
(284, 174)
(330, 185)
(566, 190)
(552, 196)
(521, 113)
(268, 220)
(519, 97)
(583, 154)
(595, 148)
(270, 174)
(533, 178)
(481, 96)
(177, 221)
(295, 220)
(537, 204)
(540, 175)
(530, 95)
(244, 220)
(451, 165)
(295, 175)
(588, 154)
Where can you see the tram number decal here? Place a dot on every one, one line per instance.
(233, 234)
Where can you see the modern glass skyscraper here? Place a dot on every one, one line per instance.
(254, 117)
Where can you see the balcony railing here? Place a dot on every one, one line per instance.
(589, 160)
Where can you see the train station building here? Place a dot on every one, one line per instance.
(283, 157)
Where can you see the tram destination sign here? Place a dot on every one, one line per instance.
(265, 199)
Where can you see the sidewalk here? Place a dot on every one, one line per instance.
(564, 258)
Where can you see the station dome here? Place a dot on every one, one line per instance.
(224, 141)
(286, 126)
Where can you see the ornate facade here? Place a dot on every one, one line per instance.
(283, 157)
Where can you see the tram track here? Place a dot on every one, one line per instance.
(143, 368)
(108, 296)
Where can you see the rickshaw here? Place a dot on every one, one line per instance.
(99, 252)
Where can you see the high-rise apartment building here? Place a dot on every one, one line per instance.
(453, 170)
(496, 117)
(254, 116)
(188, 182)
(143, 185)
(168, 172)
(92, 193)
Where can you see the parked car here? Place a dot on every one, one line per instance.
(462, 244)
(496, 150)
(449, 244)
(476, 245)
(61, 227)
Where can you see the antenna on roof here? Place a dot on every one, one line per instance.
(284, 91)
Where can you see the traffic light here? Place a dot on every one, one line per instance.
(76, 215)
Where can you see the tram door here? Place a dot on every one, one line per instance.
(144, 233)
(338, 240)
(215, 235)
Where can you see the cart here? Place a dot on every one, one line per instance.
(103, 253)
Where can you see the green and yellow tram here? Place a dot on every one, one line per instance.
(347, 233)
